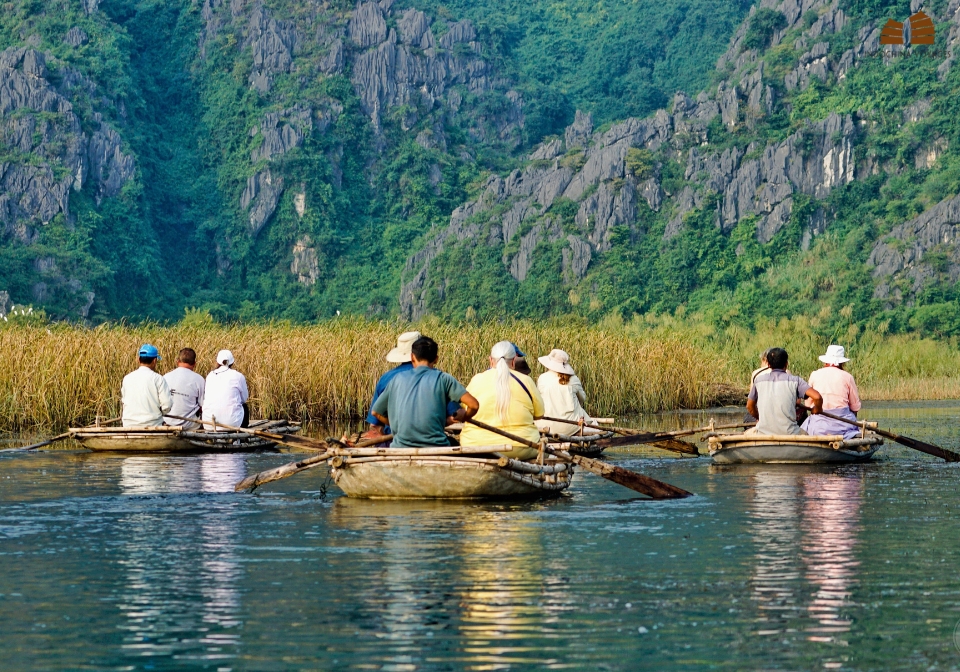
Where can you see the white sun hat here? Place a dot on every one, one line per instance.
(558, 361)
(835, 355)
(225, 357)
(401, 353)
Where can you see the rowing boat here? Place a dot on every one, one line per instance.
(387, 476)
(177, 439)
(791, 449)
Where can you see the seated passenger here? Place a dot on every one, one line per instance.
(414, 403)
(144, 394)
(840, 396)
(508, 401)
(186, 387)
(774, 395)
(400, 356)
(563, 396)
(225, 397)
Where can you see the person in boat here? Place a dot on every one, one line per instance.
(520, 364)
(144, 394)
(186, 386)
(225, 395)
(563, 396)
(415, 402)
(764, 366)
(774, 395)
(508, 400)
(840, 396)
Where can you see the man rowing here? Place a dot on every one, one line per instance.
(144, 394)
(225, 395)
(414, 402)
(774, 395)
(508, 400)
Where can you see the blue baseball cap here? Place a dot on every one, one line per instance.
(519, 351)
(147, 350)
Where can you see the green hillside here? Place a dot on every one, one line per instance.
(287, 159)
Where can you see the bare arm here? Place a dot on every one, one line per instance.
(382, 418)
(817, 400)
(472, 406)
(752, 408)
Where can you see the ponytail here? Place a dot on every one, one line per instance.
(503, 353)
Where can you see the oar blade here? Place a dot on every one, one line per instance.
(656, 440)
(279, 473)
(677, 446)
(645, 485)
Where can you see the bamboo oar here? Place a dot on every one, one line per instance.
(629, 479)
(58, 437)
(916, 444)
(285, 439)
(662, 440)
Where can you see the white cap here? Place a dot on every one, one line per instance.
(835, 355)
(404, 349)
(225, 357)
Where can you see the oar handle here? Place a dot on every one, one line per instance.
(506, 435)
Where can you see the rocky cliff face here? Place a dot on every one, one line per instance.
(407, 69)
(47, 152)
(591, 169)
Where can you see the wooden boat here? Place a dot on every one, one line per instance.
(178, 439)
(387, 476)
(791, 449)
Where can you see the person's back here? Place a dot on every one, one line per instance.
(416, 401)
(523, 404)
(838, 388)
(187, 388)
(773, 397)
(144, 394)
(562, 394)
(225, 394)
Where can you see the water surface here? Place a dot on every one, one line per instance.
(153, 563)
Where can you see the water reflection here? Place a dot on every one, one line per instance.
(805, 524)
(180, 595)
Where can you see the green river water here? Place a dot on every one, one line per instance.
(153, 563)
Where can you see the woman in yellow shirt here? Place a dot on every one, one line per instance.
(508, 400)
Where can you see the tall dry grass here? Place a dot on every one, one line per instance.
(52, 377)
(59, 376)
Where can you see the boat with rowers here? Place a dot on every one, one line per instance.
(792, 448)
(179, 440)
(441, 473)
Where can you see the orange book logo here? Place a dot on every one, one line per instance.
(922, 30)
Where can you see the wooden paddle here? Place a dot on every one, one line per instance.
(58, 437)
(662, 440)
(916, 444)
(645, 485)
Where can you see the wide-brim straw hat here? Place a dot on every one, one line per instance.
(558, 361)
(404, 349)
(835, 355)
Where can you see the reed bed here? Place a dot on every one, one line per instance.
(58, 375)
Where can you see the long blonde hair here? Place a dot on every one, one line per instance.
(503, 353)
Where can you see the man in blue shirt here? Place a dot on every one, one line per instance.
(415, 402)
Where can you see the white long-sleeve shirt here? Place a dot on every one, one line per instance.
(226, 392)
(561, 401)
(186, 387)
(145, 397)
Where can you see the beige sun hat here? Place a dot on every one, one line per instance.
(402, 352)
(558, 361)
(835, 355)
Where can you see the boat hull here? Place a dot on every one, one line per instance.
(174, 439)
(756, 449)
(442, 478)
